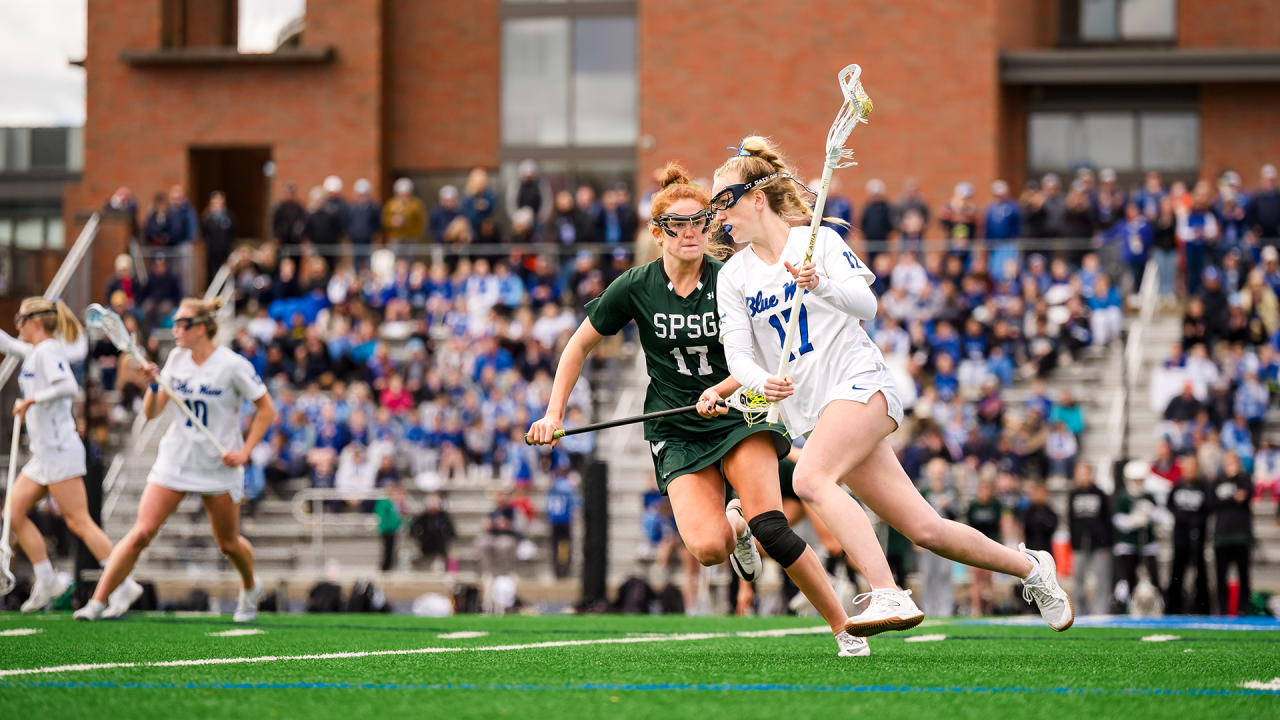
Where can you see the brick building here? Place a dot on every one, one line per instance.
(603, 91)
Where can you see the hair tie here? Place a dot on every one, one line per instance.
(739, 151)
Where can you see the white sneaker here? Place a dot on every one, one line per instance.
(91, 611)
(247, 608)
(745, 558)
(1055, 605)
(851, 646)
(121, 599)
(42, 594)
(889, 609)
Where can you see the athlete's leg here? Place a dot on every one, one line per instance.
(155, 507)
(880, 482)
(697, 502)
(830, 544)
(26, 493)
(833, 450)
(71, 499)
(224, 519)
(752, 469)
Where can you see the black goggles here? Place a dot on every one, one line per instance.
(731, 194)
(674, 225)
(21, 318)
(187, 322)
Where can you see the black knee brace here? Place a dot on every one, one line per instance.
(777, 538)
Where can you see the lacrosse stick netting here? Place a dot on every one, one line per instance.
(855, 109)
(113, 327)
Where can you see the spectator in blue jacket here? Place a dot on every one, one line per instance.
(183, 220)
(877, 215)
(443, 213)
(1002, 222)
(562, 501)
(838, 206)
(1135, 236)
(477, 203)
(364, 221)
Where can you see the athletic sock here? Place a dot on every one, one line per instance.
(44, 573)
(834, 562)
(1035, 566)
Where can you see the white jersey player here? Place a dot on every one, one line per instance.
(50, 337)
(211, 381)
(838, 393)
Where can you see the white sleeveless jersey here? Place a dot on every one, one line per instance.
(50, 425)
(831, 346)
(213, 391)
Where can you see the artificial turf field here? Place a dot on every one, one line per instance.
(163, 666)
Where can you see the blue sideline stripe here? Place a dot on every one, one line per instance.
(718, 687)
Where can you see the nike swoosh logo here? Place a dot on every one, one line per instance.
(855, 387)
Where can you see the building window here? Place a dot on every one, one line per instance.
(1111, 21)
(1123, 141)
(569, 81)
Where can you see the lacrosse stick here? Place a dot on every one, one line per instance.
(7, 581)
(111, 324)
(752, 405)
(855, 110)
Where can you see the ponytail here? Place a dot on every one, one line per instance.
(68, 325)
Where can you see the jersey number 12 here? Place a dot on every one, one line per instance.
(779, 324)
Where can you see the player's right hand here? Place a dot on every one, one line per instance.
(543, 431)
(777, 389)
(149, 370)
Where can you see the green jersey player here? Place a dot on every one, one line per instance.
(672, 300)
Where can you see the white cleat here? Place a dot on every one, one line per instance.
(889, 609)
(121, 599)
(42, 595)
(851, 646)
(745, 558)
(1044, 590)
(247, 608)
(92, 611)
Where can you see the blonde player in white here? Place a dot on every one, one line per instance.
(50, 340)
(839, 394)
(212, 381)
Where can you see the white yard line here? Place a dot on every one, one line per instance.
(416, 651)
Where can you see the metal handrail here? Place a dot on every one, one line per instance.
(1118, 421)
(316, 518)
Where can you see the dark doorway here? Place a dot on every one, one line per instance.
(239, 173)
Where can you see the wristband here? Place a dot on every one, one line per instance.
(155, 387)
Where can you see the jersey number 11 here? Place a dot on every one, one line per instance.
(780, 326)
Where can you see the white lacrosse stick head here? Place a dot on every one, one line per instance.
(856, 108)
(111, 325)
(7, 581)
(753, 406)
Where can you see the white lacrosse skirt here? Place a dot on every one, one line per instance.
(862, 386)
(56, 465)
(211, 484)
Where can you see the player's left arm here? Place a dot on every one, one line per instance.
(249, 385)
(838, 275)
(56, 371)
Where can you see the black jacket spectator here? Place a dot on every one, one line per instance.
(287, 221)
(328, 224)
(1233, 519)
(1264, 213)
(433, 530)
(219, 232)
(1089, 515)
(877, 220)
(364, 221)
(1189, 503)
(162, 286)
(1183, 408)
(1039, 523)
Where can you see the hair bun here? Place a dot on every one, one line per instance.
(674, 174)
(216, 304)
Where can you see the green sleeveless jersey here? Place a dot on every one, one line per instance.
(681, 342)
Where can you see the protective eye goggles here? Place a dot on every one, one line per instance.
(731, 194)
(675, 225)
(21, 318)
(188, 322)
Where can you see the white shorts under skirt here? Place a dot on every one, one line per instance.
(861, 388)
(204, 484)
(60, 464)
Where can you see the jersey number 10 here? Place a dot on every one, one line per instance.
(779, 324)
(200, 409)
